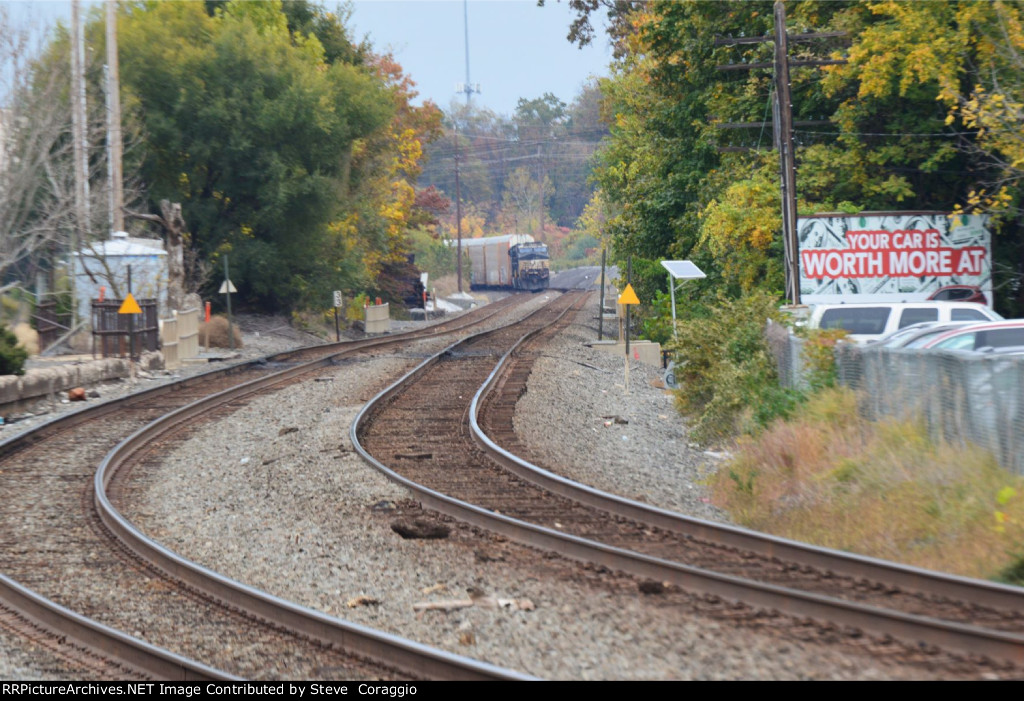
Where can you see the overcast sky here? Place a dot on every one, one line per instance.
(516, 49)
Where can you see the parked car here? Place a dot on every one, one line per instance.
(959, 293)
(917, 335)
(979, 337)
(870, 322)
(1003, 350)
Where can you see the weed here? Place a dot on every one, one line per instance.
(828, 476)
(1012, 573)
(726, 372)
(744, 485)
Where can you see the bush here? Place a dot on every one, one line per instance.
(356, 307)
(218, 328)
(12, 356)
(819, 357)
(726, 373)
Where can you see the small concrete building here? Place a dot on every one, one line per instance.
(105, 264)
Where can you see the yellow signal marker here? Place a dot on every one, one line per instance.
(628, 296)
(129, 306)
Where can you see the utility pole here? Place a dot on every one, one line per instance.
(80, 231)
(782, 123)
(469, 89)
(540, 190)
(784, 142)
(458, 208)
(114, 121)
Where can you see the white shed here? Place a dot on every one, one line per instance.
(105, 264)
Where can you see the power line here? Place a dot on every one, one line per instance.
(888, 134)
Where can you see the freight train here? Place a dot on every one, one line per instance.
(513, 261)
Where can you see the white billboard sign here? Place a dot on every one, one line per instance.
(891, 257)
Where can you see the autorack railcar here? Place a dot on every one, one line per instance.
(513, 261)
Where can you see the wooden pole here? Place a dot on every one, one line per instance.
(458, 209)
(227, 292)
(600, 315)
(784, 141)
(629, 281)
(79, 232)
(131, 334)
(114, 102)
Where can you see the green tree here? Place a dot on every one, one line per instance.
(884, 144)
(965, 58)
(254, 130)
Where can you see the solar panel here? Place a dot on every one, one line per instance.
(683, 269)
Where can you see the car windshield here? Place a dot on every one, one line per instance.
(984, 338)
(900, 336)
(925, 337)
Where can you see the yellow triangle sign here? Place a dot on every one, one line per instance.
(129, 306)
(628, 296)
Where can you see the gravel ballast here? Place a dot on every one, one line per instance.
(275, 497)
(580, 421)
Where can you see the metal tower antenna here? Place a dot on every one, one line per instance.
(468, 88)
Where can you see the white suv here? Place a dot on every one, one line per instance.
(869, 322)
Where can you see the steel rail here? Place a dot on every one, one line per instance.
(407, 656)
(930, 582)
(124, 648)
(968, 639)
(128, 650)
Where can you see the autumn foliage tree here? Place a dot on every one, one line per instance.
(291, 148)
(922, 116)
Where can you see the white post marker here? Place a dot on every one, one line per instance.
(679, 270)
(627, 297)
(338, 302)
(227, 289)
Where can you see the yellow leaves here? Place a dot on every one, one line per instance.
(410, 151)
(979, 201)
(739, 228)
(349, 226)
(1003, 498)
(1005, 494)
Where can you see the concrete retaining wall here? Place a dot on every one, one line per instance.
(20, 393)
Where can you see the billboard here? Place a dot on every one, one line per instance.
(891, 256)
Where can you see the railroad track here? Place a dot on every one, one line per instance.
(60, 556)
(943, 619)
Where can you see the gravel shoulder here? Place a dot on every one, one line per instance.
(579, 421)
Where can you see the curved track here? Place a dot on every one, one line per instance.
(475, 480)
(58, 548)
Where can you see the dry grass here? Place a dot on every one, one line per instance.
(27, 337)
(882, 489)
(219, 332)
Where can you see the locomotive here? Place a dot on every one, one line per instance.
(513, 261)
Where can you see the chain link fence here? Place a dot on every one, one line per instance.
(789, 355)
(962, 397)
